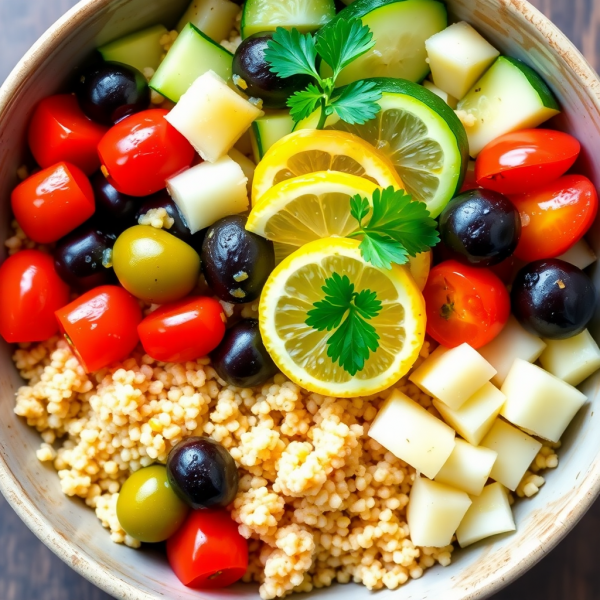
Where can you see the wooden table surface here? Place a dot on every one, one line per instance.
(29, 571)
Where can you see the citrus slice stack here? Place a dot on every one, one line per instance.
(300, 351)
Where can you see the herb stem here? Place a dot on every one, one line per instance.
(323, 116)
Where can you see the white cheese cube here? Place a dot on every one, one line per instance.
(453, 376)
(490, 514)
(209, 191)
(516, 451)
(580, 255)
(449, 100)
(212, 117)
(412, 434)
(468, 468)
(572, 360)
(458, 57)
(539, 402)
(434, 512)
(215, 18)
(476, 416)
(248, 166)
(511, 343)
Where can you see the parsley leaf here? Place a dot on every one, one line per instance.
(291, 53)
(398, 228)
(344, 42)
(303, 104)
(348, 312)
(357, 103)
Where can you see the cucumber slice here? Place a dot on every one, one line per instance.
(420, 134)
(510, 96)
(269, 129)
(192, 55)
(267, 15)
(215, 18)
(400, 28)
(139, 50)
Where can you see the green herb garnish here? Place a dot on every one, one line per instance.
(398, 228)
(349, 313)
(291, 53)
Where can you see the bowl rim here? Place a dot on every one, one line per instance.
(33, 516)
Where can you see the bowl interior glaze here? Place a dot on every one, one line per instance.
(72, 531)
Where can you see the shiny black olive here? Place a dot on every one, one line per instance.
(235, 262)
(202, 473)
(481, 227)
(553, 299)
(78, 257)
(110, 91)
(257, 80)
(241, 359)
(115, 210)
(163, 200)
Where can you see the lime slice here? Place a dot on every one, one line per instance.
(420, 134)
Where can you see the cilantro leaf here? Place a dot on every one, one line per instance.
(291, 53)
(359, 208)
(348, 312)
(302, 104)
(344, 42)
(358, 102)
(382, 251)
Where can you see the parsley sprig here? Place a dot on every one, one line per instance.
(398, 228)
(291, 53)
(349, 313)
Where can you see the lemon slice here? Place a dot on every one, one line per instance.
(310, 151)
(301, 351)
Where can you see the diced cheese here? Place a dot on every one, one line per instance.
(453, 376)
(458, 57)
(449, 100)
(476, 416)
(434, 512)
(580, 255)
(490, 514)
(468, 468)
(209, 191)
(248, 167)
(212, 116)
(539, 402)
(573, 359)
(215, 18)
(511, 343)
(412, 434)
(516, 451)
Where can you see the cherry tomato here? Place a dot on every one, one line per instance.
(59, 131)
(101, 326)
(469, 182)
(185, 330)
(465, 304)
(524, 160)
(31, 292)
(555, 216)
(140, 152)
(208, 551)
(51, 203)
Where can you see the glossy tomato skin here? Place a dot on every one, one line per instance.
(208, 552)
(60, 131)
(101, 326)
(555, 216)
(521, 161)
(142, 151)
(53, 202)
(465, 304)
(183, 331)
(31, 293)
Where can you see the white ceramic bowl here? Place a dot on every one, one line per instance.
(72, 531)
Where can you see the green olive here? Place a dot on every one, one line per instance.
(154, 265)
(148, 508)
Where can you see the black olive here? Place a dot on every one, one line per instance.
(110, 91)
(481, 227)
(162, 200)
(257, 80)
(235, 262)
(241, 359)
(113, 209)
(553, 299)
(202, 473)
(79, 257)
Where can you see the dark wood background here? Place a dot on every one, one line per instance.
(29, 571)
